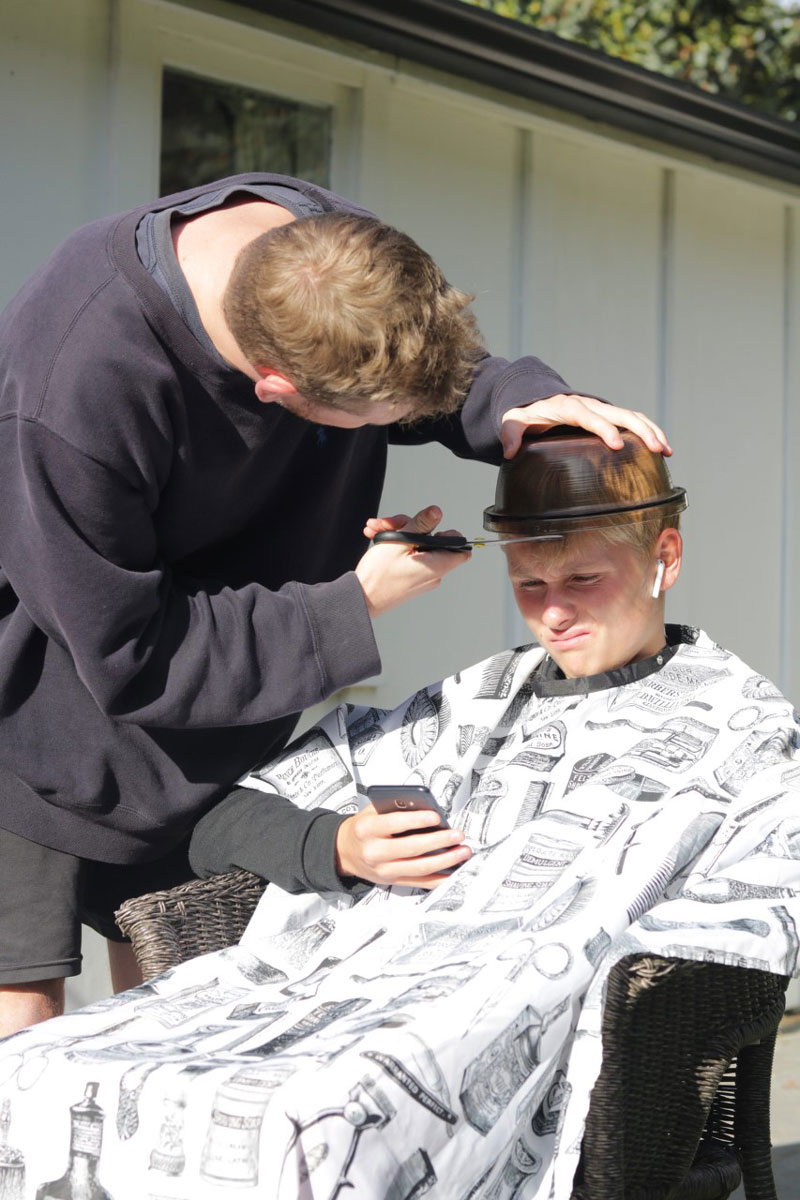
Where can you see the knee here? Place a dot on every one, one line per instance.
(23, 1004)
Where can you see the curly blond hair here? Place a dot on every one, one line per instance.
(354, 313)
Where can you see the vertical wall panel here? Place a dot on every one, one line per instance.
(595, 237)
(726, 410)
(52, 78)
(449, 178)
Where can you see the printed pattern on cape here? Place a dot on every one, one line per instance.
(430, 1044)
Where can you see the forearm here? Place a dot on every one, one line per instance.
(80, 549)
(267, 834)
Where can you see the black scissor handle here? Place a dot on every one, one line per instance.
(423, 541)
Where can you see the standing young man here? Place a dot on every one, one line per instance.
(197, 398)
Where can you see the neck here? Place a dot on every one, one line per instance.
(206, 247)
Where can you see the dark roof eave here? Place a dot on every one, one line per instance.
(478, 45)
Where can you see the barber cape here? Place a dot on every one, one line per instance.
(441, 1043)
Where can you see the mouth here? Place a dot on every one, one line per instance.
(569, 640)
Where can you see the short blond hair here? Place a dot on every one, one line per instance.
(640, 536)
(354, 313)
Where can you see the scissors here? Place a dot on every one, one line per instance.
(454, 542)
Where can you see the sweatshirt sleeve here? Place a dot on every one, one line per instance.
(267, 834)
(79, 547)
(497, 386)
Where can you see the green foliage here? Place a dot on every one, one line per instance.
(749, 52)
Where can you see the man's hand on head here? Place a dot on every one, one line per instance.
(585, 412)
(367, 848)
(390, 574)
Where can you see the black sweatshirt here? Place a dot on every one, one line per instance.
(175, 557)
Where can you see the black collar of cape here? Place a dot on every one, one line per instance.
(548, 679)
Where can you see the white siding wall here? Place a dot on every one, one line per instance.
(661, 281)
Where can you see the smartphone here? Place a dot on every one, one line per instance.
(390, 798)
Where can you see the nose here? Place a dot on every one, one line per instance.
(559, 611)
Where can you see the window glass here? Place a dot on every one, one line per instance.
(210, 130)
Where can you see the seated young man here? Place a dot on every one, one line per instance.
(618, 787)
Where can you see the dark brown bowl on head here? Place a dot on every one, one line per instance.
(569, 479)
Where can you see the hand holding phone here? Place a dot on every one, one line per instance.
(393, 840)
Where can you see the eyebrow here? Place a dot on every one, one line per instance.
(591, 568)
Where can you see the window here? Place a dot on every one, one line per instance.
(210, 130)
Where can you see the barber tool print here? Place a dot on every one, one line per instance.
(759, 750)
(80, 1179)
(471, 735)
(543, 748)
(599, 825)
(414, 1085)
(619, 777)
(169, 1156)
(180, 1007)
(413, 1178)
(365, 1111)
(445, 783)
(297, 946)
(597, 946)
(130, 1089)
(251, 967)
(534, 801)
(451, 898)
(484, 818)
(669, 690)
(532, 874)
(310, 767)
(231, 1149)
(758, 687)
(792, 942)
(498, 675)
(679, 744)
(392, 1042)
(521, 1165)
(420, 729)
(783, 841)
(546, 1117)
(12, 1161)
(493, 1078)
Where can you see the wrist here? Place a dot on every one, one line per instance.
(343, 852)
(372, 611)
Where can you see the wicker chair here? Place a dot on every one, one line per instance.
(681, 1108)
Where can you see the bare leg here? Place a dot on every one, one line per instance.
(23, 1004)
(125, 971)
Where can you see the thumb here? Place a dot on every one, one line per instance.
(426, 519)
(511, 436)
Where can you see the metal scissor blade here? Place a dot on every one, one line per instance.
(454, 542)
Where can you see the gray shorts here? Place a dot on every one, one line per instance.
(46, 895)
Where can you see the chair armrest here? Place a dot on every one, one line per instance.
(671, 1028)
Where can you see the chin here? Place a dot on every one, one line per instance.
(580, 662)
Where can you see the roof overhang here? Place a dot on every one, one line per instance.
(478, 45)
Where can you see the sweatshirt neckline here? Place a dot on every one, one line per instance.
(160, 312)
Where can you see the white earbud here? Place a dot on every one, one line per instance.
(659, 577)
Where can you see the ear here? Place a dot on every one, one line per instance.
(669, 548)
(272, 385)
